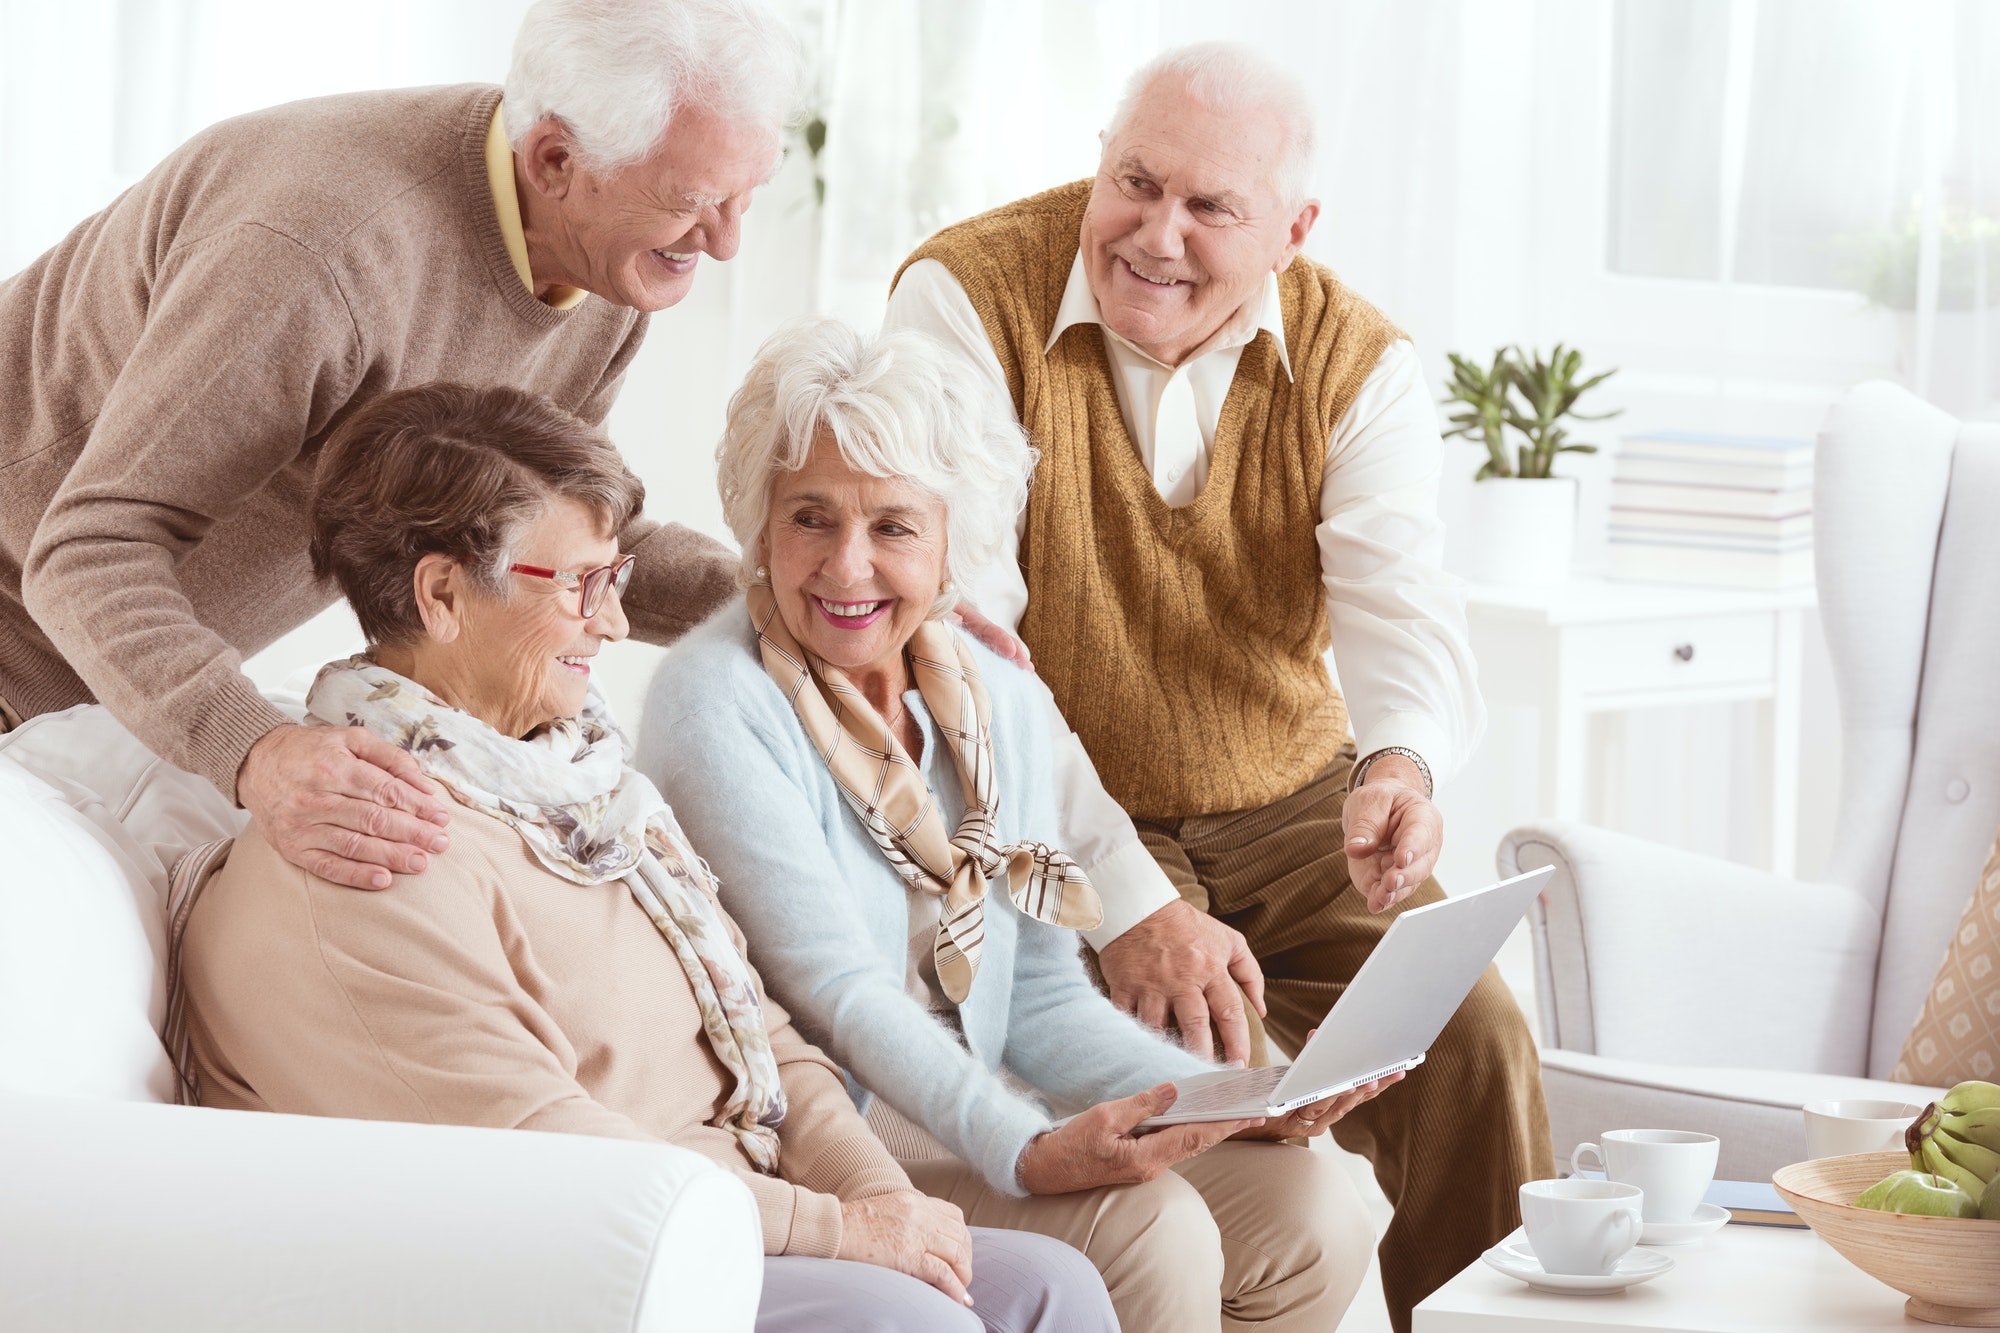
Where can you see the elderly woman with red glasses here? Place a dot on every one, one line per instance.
(564, 965)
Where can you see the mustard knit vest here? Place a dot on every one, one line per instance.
(1185, 646)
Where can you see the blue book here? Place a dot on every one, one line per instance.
(1755, 1203)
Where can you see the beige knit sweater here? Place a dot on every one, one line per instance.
(169, 371)
(491, 992)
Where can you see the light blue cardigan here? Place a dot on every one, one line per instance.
(828, 919)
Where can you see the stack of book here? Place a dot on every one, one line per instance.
(1732, 510)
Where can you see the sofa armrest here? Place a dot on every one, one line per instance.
(1646, 952)
(138, 1215)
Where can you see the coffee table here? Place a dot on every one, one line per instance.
(1741, 1278)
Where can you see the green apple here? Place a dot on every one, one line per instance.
(1921, 1193)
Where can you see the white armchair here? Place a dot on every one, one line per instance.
(119, 1211)
(1681, 990)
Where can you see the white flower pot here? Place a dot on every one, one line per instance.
(1520, 533)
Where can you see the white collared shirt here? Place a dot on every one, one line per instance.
(1398, 620)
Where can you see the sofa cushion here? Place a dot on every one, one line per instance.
(1755, 1112)
(1957, 1036)
(90, 823)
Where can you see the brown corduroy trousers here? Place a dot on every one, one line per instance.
(1454, 1141)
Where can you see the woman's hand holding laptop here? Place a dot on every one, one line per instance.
(1303, 1122)
(1101, 1146)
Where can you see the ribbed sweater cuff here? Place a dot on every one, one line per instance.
(237, 717)
(815, 1227)
(854, 1169)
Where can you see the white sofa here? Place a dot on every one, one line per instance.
(1680, 990)
(121, 1211)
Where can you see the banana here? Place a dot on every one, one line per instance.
(1933, 1160)
(1980, 1161)
(1980, 1127)
(1971, 1095)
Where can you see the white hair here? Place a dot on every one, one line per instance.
(614, 72)
(897, 404)
(1232, 78)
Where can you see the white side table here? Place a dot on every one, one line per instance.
(1592, 646)
(1740, 1280)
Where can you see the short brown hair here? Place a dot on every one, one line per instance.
(448, 469)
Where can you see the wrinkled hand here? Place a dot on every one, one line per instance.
(1098, 1147)
(911, 1233)
(1304, 1122)
(1393, 832)
(1176, 965)
(989, 633)
(343, 804)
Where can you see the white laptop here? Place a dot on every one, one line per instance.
(1420, 971)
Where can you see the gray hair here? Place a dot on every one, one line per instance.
(897, 404)
(614, 72)
(1232, 78)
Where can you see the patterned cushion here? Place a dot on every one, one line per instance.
(1958, 1035)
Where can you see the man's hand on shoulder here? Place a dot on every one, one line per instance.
(343, 804)
(1181, 965)
(1394, 832)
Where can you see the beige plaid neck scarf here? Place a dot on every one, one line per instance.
(887, 789)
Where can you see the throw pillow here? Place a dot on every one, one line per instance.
(1957, 1036)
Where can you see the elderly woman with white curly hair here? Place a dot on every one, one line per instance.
(859, 774)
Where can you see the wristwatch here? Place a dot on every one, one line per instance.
(1360, 773)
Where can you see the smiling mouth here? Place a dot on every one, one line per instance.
(578, 662)
(678, 261)
(1163, 283)
(852, 615)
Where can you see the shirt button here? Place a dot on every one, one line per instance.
(1173, 474)
(1957, 790)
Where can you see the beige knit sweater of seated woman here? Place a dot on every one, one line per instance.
(487, 991)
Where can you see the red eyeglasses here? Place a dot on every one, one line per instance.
(591, 586)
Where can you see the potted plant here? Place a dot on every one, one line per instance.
(1521, 529)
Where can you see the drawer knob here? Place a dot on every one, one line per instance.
(1685, 652)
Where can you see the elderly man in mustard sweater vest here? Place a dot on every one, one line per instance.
(173, 366)
(1239, 468)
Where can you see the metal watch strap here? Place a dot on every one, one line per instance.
(1360, 774)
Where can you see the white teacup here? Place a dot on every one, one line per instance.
(1580, 1227)
(1838, 1128)
(1672, 1166)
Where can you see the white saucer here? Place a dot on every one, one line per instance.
(1516, 1259)
(1708, 1218)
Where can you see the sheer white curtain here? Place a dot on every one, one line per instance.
(937, 109)
(1830, 144)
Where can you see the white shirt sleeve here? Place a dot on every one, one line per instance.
(1398, 620)
(1096, 831)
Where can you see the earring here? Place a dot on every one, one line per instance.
(945, 587)
(763, 575)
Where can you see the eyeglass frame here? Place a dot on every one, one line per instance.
(613, 578)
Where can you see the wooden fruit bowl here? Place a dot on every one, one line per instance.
(1949, 1267)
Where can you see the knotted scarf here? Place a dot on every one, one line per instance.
(886, 789)
(588, 817)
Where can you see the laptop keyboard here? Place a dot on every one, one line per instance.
(1250, 1086)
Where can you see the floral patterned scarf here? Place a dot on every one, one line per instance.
(587, 816)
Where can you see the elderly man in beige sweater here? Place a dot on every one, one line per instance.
(175, 363)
